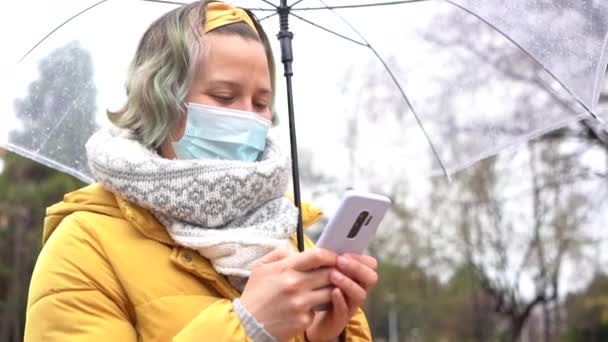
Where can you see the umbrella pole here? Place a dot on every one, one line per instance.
(285, 37)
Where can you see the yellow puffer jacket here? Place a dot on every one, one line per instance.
(109, 271)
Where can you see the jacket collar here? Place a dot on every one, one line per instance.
(188, 259)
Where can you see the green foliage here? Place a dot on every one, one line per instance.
(28, 188)
(431, 310)
(27, 184)
(63, 97)
(409, 291)
(588, 312)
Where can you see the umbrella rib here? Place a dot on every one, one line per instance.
(169, 2)
(57, 125)
(595, 116)
(330, 31)
(48, 162)
(60, 26)
(261, 9)
(401, 90)
(418, 121)
(295, 3)
(270, 4)
(268, 16)
(388, 3)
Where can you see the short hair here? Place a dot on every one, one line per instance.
(163, 69)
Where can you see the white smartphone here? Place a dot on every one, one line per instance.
(355, 223)
(353, 226)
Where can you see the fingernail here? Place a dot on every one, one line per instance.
(342, 261)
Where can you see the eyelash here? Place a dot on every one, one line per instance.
(223, 99)
(229, 100)
(261, 104)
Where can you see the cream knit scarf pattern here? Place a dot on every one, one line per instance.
(231, 212)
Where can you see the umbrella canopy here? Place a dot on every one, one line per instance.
(476, 76)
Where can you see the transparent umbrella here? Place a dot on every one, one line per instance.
(426, 87)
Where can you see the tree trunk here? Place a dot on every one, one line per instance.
(517, 325)
(11, 327)
(546, 322)
(18, 283)
(558, 318)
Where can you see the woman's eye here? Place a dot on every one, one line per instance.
(260, 106)
(223, 99)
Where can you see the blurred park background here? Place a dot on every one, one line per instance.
(514, 248)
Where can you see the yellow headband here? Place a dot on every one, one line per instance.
(220, 14)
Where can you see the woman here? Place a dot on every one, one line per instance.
(187, 235)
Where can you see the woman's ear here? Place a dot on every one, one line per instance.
(175, 134)
(179, 129)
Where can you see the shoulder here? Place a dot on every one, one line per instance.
(87, 234)
(75, 259)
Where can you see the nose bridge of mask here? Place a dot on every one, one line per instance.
(203, 110)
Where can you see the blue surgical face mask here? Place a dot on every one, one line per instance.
(219, 133)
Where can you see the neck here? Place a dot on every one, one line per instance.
(166, 150)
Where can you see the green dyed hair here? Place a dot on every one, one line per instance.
(165, 64)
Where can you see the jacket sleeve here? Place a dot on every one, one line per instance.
(73, 293)
(218, 322)
(75, 296)
(357, 329)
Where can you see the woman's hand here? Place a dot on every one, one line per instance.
(354, 277)
(284, 286)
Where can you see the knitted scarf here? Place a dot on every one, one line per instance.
(231, 212)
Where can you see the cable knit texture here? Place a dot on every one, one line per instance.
(231, 212)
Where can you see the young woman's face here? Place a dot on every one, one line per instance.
(233, 74)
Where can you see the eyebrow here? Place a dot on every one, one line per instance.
(235, 85)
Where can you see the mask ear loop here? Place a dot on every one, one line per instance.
(172, 142)
(182, 122)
